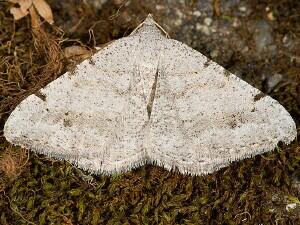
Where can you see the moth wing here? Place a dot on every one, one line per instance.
(204, 117)
(92, 117)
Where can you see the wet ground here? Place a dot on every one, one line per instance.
(257, 40)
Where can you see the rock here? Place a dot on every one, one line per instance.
(207, 21)
(243, 8)
(236, 22)
(262, 35)
(214, 54)
(203, 29)
(272, 81)
(197, 13)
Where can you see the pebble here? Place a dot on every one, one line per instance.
(159, 7)
(270, 16)
(245, 50)
(178, 22)
(243, 8)
(262, 35)
(236, 22)
(207, 21)
(197, 13)
(214, 53)
(204, 29)
(273, 81)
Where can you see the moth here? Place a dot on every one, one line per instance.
(146, 98)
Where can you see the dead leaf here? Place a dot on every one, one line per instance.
(35, 19)
(41, 7)
(17, 13)
(77, 51)
(20, 12)
(44, 10)
(25, 4)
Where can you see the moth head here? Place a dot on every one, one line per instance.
(149, 20)
(149, 24)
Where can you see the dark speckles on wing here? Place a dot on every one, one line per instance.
(41, 95)
(91, 61)
(226, 73)
(206, 64)
(232, 124)
(259, 96)
(67, 123)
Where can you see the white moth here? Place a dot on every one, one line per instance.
(147, 98)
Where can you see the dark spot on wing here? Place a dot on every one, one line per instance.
(91, 61)
(259, 96)
(67, 123)
(72, 71)
(208, 61)
(41, 95)
(232, 124)
(226, 73)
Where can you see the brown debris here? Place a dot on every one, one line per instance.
(48, 45)
(11, 164)
(44, 10)
(217, 7)
(18, 13)
(77, 52)
(22, 11)
(25, 7)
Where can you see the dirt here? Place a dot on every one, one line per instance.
(259, 41)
